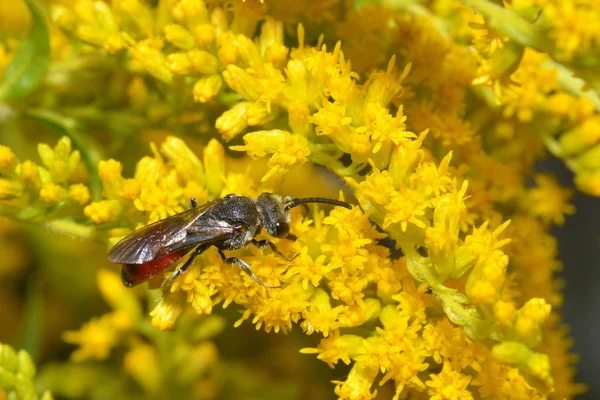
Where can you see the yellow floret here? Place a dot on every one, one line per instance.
(52, 193)
(103, 211)
(8, 160)
(79, 193)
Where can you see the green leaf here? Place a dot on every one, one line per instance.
(33, 332)
(31, 61)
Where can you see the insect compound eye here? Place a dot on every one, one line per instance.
(273, 217)
(282, 229)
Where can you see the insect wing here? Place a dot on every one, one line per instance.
(144, 244)
(134, 274)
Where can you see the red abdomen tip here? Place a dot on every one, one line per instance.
(134, 274)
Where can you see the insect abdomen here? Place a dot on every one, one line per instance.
(134, 274)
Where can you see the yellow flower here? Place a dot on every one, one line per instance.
(438, 149)
(335, 348)
(549, 201)
(589, 182)
(501, 381)
(200, 298)
(573, 25)
(403, 206)
(320, 316)
(10, 189)
(205, 89)
(487, 41)
(358, 384)
(535, 365)
(287, 149)
(142, 362)
(130, 189)
(79, 193)
(167, 310)
(449, 384)
(214, 167)
(281, 309)
(160, 198)
(581, 137)
(18, 374)
(29, 173)
(232, 122)
(179, 36)
(97, 337)
(60, 161)
(103, 211)
(504, 312)
(52, 193)
(110, 170)
(146, 56)
(448, 345)
(8, 161)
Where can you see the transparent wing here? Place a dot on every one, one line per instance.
(145, 244)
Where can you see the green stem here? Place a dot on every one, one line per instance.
(513, 26)
(523, 32)
(33, 330)
(572, 84)
(41, 217)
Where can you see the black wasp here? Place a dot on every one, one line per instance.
(229, 223)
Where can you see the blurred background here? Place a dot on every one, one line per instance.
(579, 250)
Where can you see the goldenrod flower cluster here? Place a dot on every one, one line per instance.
(17, 371)
(438, 283)
(48, 183)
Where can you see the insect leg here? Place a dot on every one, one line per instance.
(193, 202)
(245, 267)
(181, 270)
(261, 244)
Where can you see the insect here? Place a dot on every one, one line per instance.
(228, 223)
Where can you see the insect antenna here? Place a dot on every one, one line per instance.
(291, 203)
